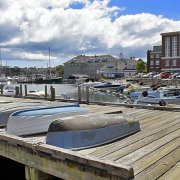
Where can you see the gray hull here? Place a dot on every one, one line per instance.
(86, 131)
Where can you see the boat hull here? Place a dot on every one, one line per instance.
(34, 121)
(167, 100)
(6, 111)
(96, 130)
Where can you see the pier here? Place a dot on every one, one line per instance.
(152, 153)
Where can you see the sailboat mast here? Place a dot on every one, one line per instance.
(49, 62)
(0, 58)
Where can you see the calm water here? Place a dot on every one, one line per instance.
(70, 91)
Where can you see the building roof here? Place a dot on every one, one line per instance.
(170, 33)
(157, 48)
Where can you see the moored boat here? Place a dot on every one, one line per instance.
(84, 131)
(109, 86)
(160, 97)
(37, 120)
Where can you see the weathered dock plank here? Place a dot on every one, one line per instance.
(152, 153)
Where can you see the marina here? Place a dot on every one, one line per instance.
(151, 153)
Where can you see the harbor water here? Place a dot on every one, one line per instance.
(70, 91)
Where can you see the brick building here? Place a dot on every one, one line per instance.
(154, 59)
(165, 57)
(170, 59)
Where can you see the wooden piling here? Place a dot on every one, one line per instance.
(1, 88)
(20, 91)
(87, 95)
(52, 90)
(25, 90)
(45, 96)
(79, 94)
(17, 91)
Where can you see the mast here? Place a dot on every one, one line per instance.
(49, 62)
(0, 58)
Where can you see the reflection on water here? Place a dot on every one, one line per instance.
(70, 91)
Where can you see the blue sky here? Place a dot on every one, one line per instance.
(168, 8)
(88, 27)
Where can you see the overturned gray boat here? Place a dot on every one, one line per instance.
(84, 131)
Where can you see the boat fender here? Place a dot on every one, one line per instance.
(162, 103)
(176, 93)
(144, 93)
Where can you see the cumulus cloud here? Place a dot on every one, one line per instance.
(30, 27)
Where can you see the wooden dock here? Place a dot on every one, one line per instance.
(152, 153)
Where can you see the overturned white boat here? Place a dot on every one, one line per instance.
(7, 109)
(90, 130)
(37, 120)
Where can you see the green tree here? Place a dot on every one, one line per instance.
(60, 70)
(141, 66)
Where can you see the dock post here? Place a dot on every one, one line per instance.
(1, 88)
(52, 93)
(17, 91)
(45, 96)
(34, 174)
(79, 94)
(87, 95)
(25, 90)
(20, 91)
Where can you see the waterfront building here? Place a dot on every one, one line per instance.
(154, 59)
(165, 57)
(97, 66)
(170, 60)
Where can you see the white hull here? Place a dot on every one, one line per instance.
(167, 100)
(35, 121)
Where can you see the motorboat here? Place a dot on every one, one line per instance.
(90, 130)
(109, 86)
(36, 93)
(10, 108)
(37, 120)
(160, 97)
(9, 90)
(89, 84)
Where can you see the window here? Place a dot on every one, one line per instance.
(152, 56)
(157, 62)
(167, 47)
(174, 62)
(167, 62)
(174, 46)
(152, 63)
(157, 55)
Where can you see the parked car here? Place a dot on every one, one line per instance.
(165, 75)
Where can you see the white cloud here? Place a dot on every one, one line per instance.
(96, 28)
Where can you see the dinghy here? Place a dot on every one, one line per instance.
(37, 120)
(8, 109)
(90, 130)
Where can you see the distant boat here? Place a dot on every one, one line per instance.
(85, 131)
(9, 90)
(36, 93)
(51, 80)
(109, 86)
(160, 97)
(37, 120)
